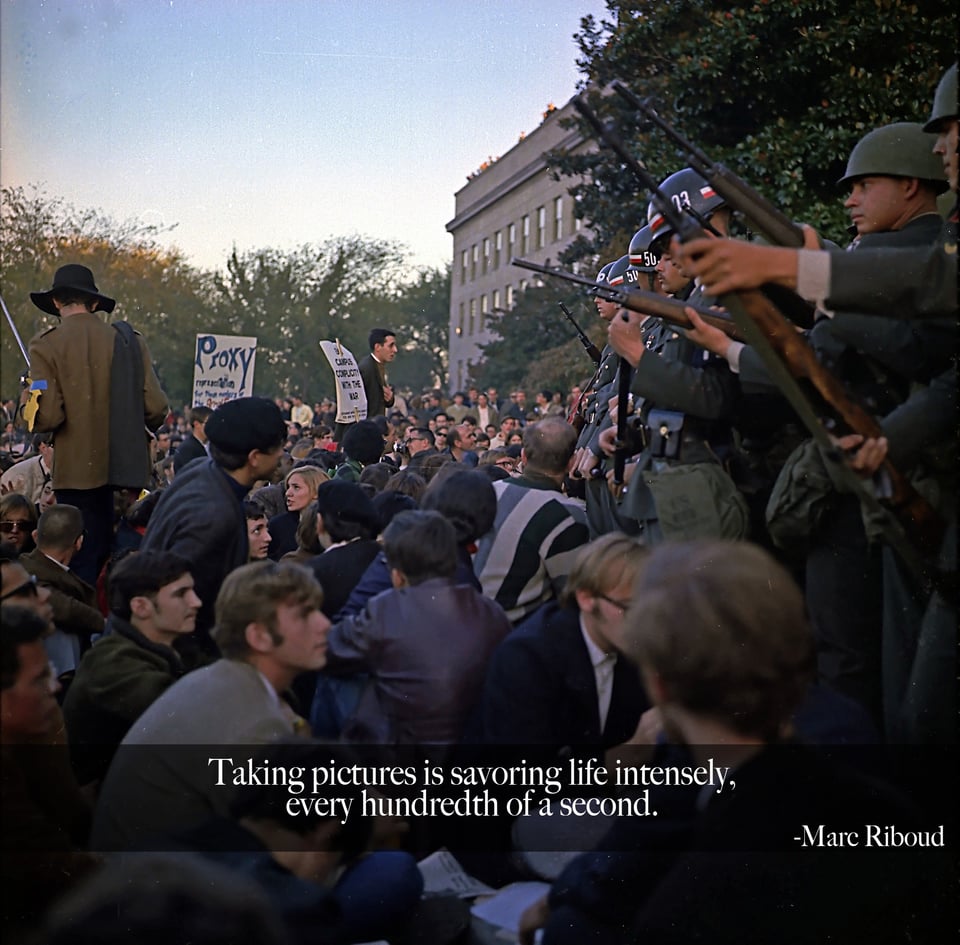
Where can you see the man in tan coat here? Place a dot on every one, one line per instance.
(99, 392)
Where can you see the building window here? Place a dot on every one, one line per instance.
(460, 320)
(541, 227)
(464, 265)
(497, 248)
(508, 293)
(496, 299)
(523, 285)
(525, 235)
(558, 218)
(511, 240)
(486, 256)
(473, 318)
(474, 257)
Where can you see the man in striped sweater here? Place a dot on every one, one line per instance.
(524, 559)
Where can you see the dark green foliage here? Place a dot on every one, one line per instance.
(538, 347)
(778, 91)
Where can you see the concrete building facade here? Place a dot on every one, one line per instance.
(511, 207)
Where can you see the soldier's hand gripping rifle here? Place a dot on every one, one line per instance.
(640, 300)
(28, 409)
(588, 345)
(787, 356)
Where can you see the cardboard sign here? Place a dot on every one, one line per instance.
(351, 395)
(223, 368)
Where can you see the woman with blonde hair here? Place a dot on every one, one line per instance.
(300, 489)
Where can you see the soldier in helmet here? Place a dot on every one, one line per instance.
(894, 179)
(644, 259)
(911, 285)
(685, 399)
(593, 401)
(865, 611)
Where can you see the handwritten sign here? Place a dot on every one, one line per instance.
(223, 368)
(351, 396)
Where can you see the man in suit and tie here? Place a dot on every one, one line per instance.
(373, 370)
(558, 680)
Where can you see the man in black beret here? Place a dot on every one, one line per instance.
(201, 518)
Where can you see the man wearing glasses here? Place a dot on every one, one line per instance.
(20, 587)
(418, 442)
(558, 680)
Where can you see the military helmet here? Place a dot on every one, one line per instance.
(617, 273)
(642, 256)
(689, 193)
(902, 149)
(944, 99)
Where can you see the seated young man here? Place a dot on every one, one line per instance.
(721, 639)
(152, 604)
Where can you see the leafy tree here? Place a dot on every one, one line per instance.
(292, 301)
(421, 318)
(532, 333)
(155, 289)
(779, 92)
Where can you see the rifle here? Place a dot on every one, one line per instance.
(640, 300)
(787, 356)
(768, 220)
(775, 226)
(29, 409)
(588, 345)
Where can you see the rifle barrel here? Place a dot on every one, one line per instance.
(639, 300)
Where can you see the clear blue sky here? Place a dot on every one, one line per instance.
(276, 122)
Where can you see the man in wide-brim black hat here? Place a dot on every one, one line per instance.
(72, 282)
(99, 395)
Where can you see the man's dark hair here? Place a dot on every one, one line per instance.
(69, 296)
(200, 413)
(20, 626)
(426, 433)
(228, 461)
(40, 438)
(465, 498)
(138, 515)
(421, 544)
(363, 442)
(379, 335)
(59, 527)
(253, 510)
(142, 574)
(377, 475)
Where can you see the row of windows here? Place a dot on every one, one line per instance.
(513, 240)
(472, 315)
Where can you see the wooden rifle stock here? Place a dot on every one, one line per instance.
(789, 356)
(920, 520)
